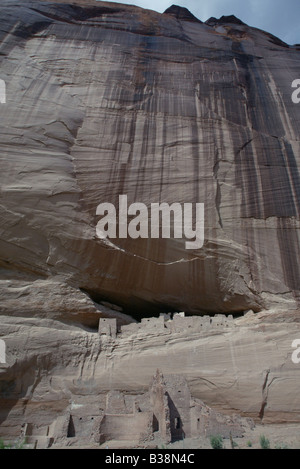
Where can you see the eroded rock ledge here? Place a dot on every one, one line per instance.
(235, 366)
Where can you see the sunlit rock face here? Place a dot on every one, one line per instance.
(107, 99)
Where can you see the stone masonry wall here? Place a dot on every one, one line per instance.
(164, 324)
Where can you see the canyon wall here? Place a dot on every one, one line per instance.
(103, 100)
(106, 99)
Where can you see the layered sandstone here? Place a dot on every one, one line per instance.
(106, 99)
(235, 366)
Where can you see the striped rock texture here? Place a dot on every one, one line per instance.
(105, 99)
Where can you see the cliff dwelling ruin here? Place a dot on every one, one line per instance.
(165, 413)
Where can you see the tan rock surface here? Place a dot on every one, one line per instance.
(105, 99)
(243, 368)
(174, 111)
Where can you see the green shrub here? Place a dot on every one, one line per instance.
(16, 445)
(249, 444)
(264, 442)
(4, 445)
(216, 442)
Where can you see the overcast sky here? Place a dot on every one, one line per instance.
(279, 17)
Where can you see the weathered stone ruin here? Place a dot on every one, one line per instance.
(165, 413)
(165, 324)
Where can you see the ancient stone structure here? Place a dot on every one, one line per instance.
(179, 415)
(164, 324)
(54, 370)
(164, 414)
(108, 327)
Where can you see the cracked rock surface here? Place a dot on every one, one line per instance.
(105, 99)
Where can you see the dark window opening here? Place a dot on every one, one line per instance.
(155, 424)
(71, 428)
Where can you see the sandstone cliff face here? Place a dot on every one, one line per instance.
(53, 369)
(107, 99)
